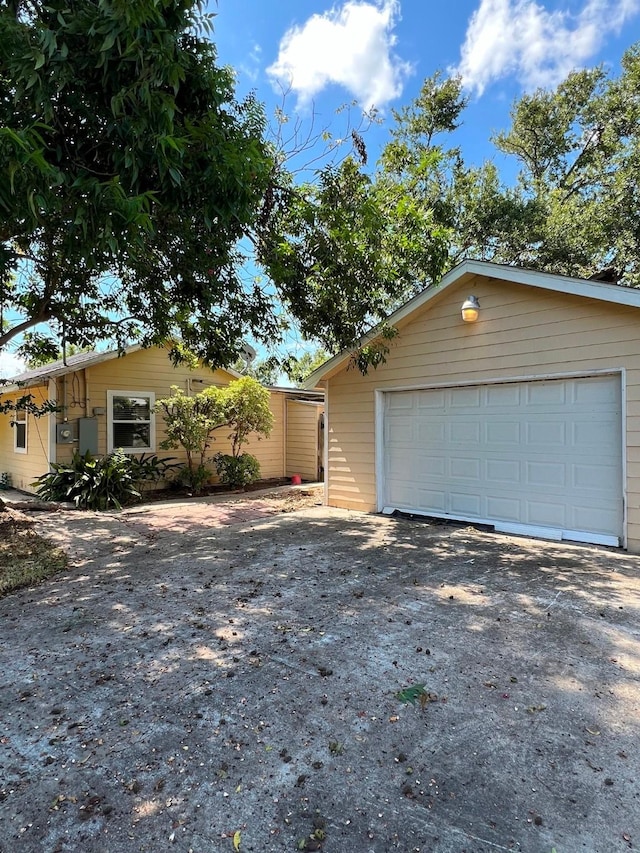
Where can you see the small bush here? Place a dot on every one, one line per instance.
(91, 483)
(194, 478)
(237, 471)
(148, 468)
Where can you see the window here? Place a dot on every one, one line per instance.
(130, 421)
(20, 431)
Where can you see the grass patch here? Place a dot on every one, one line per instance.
(25, 557)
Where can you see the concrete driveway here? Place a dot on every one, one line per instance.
(235, 681)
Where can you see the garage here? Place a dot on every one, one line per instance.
(522, 414)
(538, 457)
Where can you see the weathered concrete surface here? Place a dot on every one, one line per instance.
(186, 681)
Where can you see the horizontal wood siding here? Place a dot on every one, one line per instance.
(302, 439)
(270, 451)
(25, 467)
(150, 370)
(522, 332)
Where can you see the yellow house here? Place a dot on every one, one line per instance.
(526, 419)
(106, 402)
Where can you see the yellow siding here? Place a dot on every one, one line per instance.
(302, 439)
(150, 370)
(522, 333)
(270, 451)
(25, 467)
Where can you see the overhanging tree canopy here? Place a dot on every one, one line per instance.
(128, 174)
(357, 243)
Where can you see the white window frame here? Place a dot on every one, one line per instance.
(152, 421)
(21, 418)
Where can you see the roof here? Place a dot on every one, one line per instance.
(468, 270)
(312, 395)
(74, 362)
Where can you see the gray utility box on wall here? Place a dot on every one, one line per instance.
(64, 433)
(88, 435)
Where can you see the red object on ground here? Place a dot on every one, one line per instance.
(296, 480)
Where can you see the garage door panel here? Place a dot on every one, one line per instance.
(429, 399)
(501, 432)
(545, 514)
(546, 433)
(464, 468)
(547, 474)
(431, 432)
(499, 471)
(403, 430)
(594, 433)
(506, 396)
(461, 503)
(465, 398)
(464, 432)
(430, 498)
(543, 454)
(598, 390)
(594, 479)
(540, 394)
(506, 509)
(401, 402)
(592, 518)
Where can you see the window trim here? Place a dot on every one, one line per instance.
(21, 417)
(150, 395)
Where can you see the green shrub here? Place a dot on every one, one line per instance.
(90, 483)
(149, 468)
(190, 422)
(194, 477)
(237, 471)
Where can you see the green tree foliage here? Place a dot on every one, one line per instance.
(128, 174)
(237, 471)
(578, 148)
(298, 369)
(357, 243)
(247, 411)
(331, 266)
(190, 422)
(263, 370)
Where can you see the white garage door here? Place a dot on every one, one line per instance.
(541, 458)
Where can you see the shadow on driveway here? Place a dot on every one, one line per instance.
(185, 683)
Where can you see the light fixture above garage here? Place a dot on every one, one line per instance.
(470, 309)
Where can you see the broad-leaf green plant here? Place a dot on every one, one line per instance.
(107, 482)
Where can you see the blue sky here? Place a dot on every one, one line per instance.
(378, 52)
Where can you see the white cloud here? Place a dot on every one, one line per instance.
(251, 67)
(10, 365)
(349, 46)
(536, 45)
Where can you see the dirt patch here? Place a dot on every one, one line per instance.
(25, 557)
(217, 489)
(319, 679)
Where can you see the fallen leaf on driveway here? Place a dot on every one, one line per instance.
(237, 837)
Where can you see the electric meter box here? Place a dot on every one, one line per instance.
(64, 433)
